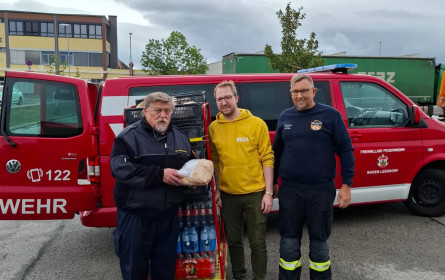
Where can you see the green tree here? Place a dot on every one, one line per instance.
(296, 53)
(172, 56)
(77, 75)
(55, 65)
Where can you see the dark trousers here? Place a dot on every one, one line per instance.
(147, 244)
(310, 204)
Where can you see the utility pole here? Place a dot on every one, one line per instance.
(68, 35)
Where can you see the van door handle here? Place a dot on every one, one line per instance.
(355, 136)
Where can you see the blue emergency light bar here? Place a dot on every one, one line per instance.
(335, 68)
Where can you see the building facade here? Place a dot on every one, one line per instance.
(84, 46)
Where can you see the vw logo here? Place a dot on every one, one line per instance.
(13, 166)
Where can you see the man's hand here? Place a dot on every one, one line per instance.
(344, 196)
(266, 203)
(218, 198)
(172, 177)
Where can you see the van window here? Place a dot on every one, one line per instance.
(268, 100)
(140, 92)
(265, 100)
(48, 109)
(371, 105)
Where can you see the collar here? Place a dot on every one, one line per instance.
(156, 135)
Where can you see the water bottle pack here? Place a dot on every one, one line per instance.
(198, 233)
(196, 241)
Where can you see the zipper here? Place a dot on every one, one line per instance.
(166, 165)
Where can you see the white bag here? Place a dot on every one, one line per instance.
(197, 172)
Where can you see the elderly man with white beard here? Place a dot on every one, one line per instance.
(145, 160)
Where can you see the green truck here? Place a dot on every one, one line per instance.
(418, 78)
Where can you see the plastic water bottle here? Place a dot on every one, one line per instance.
(193, 234)
(204, 242)
(212, 238)
(185, 240)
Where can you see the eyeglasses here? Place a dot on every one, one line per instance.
(303, 92)
(166, 111)
(225, 98)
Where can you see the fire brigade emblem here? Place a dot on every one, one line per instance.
(35, 174)
(316, 125)
(382, 161)
(13, 166)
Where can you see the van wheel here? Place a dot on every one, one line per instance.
(427, 194)
(20, 101)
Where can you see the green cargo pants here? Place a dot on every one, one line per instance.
(233, 208)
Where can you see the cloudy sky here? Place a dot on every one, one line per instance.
(364, 28)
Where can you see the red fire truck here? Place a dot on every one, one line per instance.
(55, 147)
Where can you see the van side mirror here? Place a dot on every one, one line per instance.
(415, 111)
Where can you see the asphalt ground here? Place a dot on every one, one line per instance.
(382, 241)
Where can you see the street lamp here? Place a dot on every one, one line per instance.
(131, 60)
(68, 34)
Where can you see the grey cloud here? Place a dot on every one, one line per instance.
(214, 27)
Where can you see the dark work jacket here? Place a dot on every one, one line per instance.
(137, 160)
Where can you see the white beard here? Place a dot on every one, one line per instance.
(161, 128)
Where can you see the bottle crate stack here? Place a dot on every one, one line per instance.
(199, 251)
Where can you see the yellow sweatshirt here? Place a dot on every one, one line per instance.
(239, 149)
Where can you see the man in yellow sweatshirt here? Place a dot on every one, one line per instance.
(243, 158)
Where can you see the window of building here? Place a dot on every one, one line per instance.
(33, 56)
(17, 57)
(80, 31)
(94, 31)
(95, 59)
(32, 28)
(81, 59)
(15, 27)
(98, 31)
(83, 31)
(65, 30)
(47, 29)
(46, 57)
(64, 57)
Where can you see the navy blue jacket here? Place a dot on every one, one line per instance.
(138, 158)
(306, 143)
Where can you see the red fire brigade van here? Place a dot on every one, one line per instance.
(55, 147)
